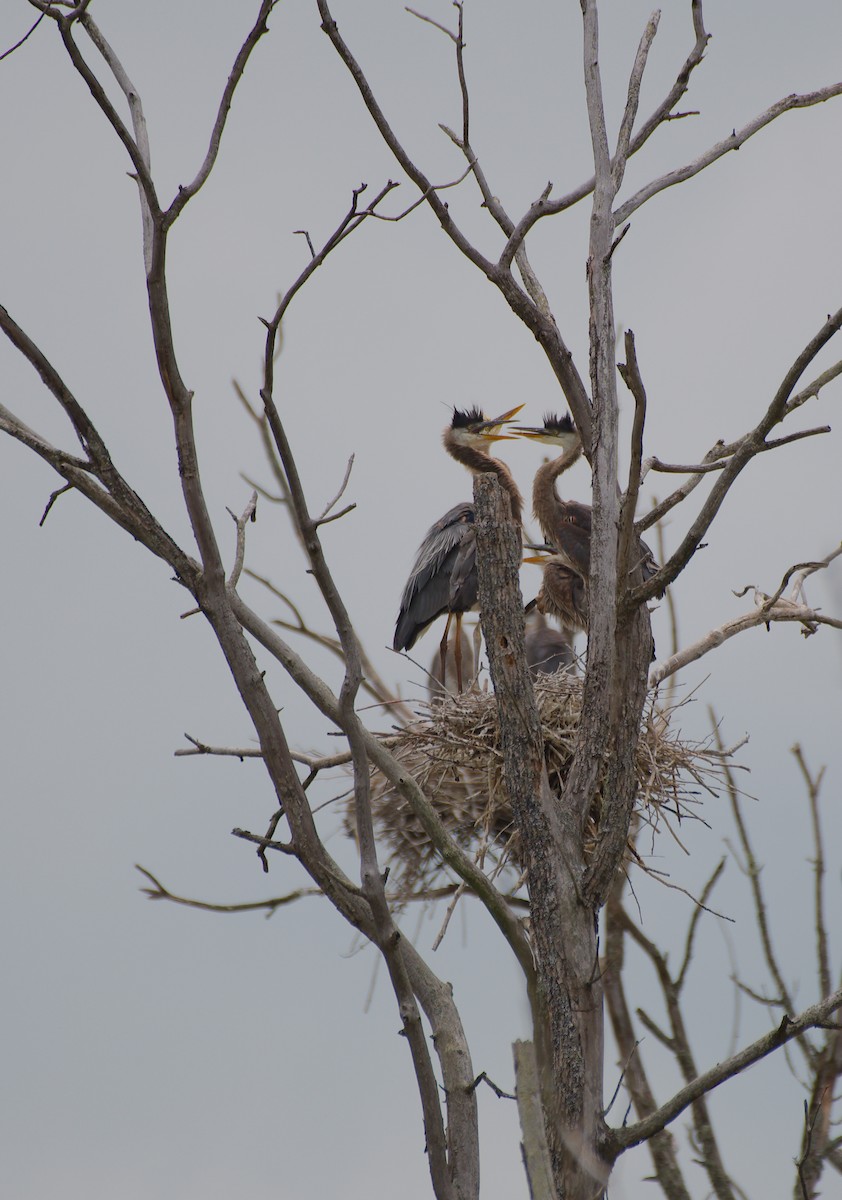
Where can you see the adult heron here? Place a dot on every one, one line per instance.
(444, 575)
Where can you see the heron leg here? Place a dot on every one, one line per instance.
(458, 653)
(443, 653)
(477, 641)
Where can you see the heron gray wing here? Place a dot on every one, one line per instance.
(428, 588)
(464, 581)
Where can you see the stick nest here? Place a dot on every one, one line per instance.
(453, 751)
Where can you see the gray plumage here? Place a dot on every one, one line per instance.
(443, 577)
(547, 650)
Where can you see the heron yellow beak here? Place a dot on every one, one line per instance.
(545, 552)
(489, 428)
(530, 431)
(565, 440)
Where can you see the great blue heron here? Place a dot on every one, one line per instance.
(566, 524)
(547, 650)
(444, 575)
(564, 592)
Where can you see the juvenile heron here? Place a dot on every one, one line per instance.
(566, 524)
(564, 592)
(547, 650)
(444, 575)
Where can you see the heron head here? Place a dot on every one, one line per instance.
(472, 427)
(544, 554)
(556, 431)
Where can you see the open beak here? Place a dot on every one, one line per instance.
(541, 435)
(489, 428)
(560, 432)
(544, 553)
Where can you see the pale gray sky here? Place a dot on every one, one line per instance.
(155, 1051)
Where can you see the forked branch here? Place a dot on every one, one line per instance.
(814, 1017)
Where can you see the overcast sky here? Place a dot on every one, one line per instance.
(150, 1050)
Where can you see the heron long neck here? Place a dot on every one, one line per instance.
(478, 462)
(547, 507)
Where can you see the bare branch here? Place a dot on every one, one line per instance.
(373, 682)
(138, 125)
(186, 193)
(203, 748)
(815, 387)
(536, 1154)
(694, 923)
(20, 41)
(813, 784)
(662, 1145)
(744, 451)
(813, 1017)
(762, 614)
(53, 497)
(159, 892)
(349, 223)
(315, 762)
(249, 514)
(618, 165)
(655, 464)
(734, 142)
(451, 853)
(679, 1045)
(544, 329)
(766, 610)
(323, 519)
(715, 460)
(140, 160)
(124, 507)
(265, 843)
(436, 24)
(752, 870)
(663, 113)
(630, 372)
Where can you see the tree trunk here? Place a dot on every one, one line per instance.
(569, 1011)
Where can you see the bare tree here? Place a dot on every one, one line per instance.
(576, 835)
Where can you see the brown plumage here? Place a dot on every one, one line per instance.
(566, 524)
(563, 593)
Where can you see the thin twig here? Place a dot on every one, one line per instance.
(323, 519)
(813, 784)
(159, 892)
(53, 497)
(249, 514)
(28, 34)
(733, 142)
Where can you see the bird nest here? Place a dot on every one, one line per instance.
(453, 751)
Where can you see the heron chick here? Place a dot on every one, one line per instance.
(563, 593)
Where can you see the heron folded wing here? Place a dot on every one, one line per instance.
(428, 590)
